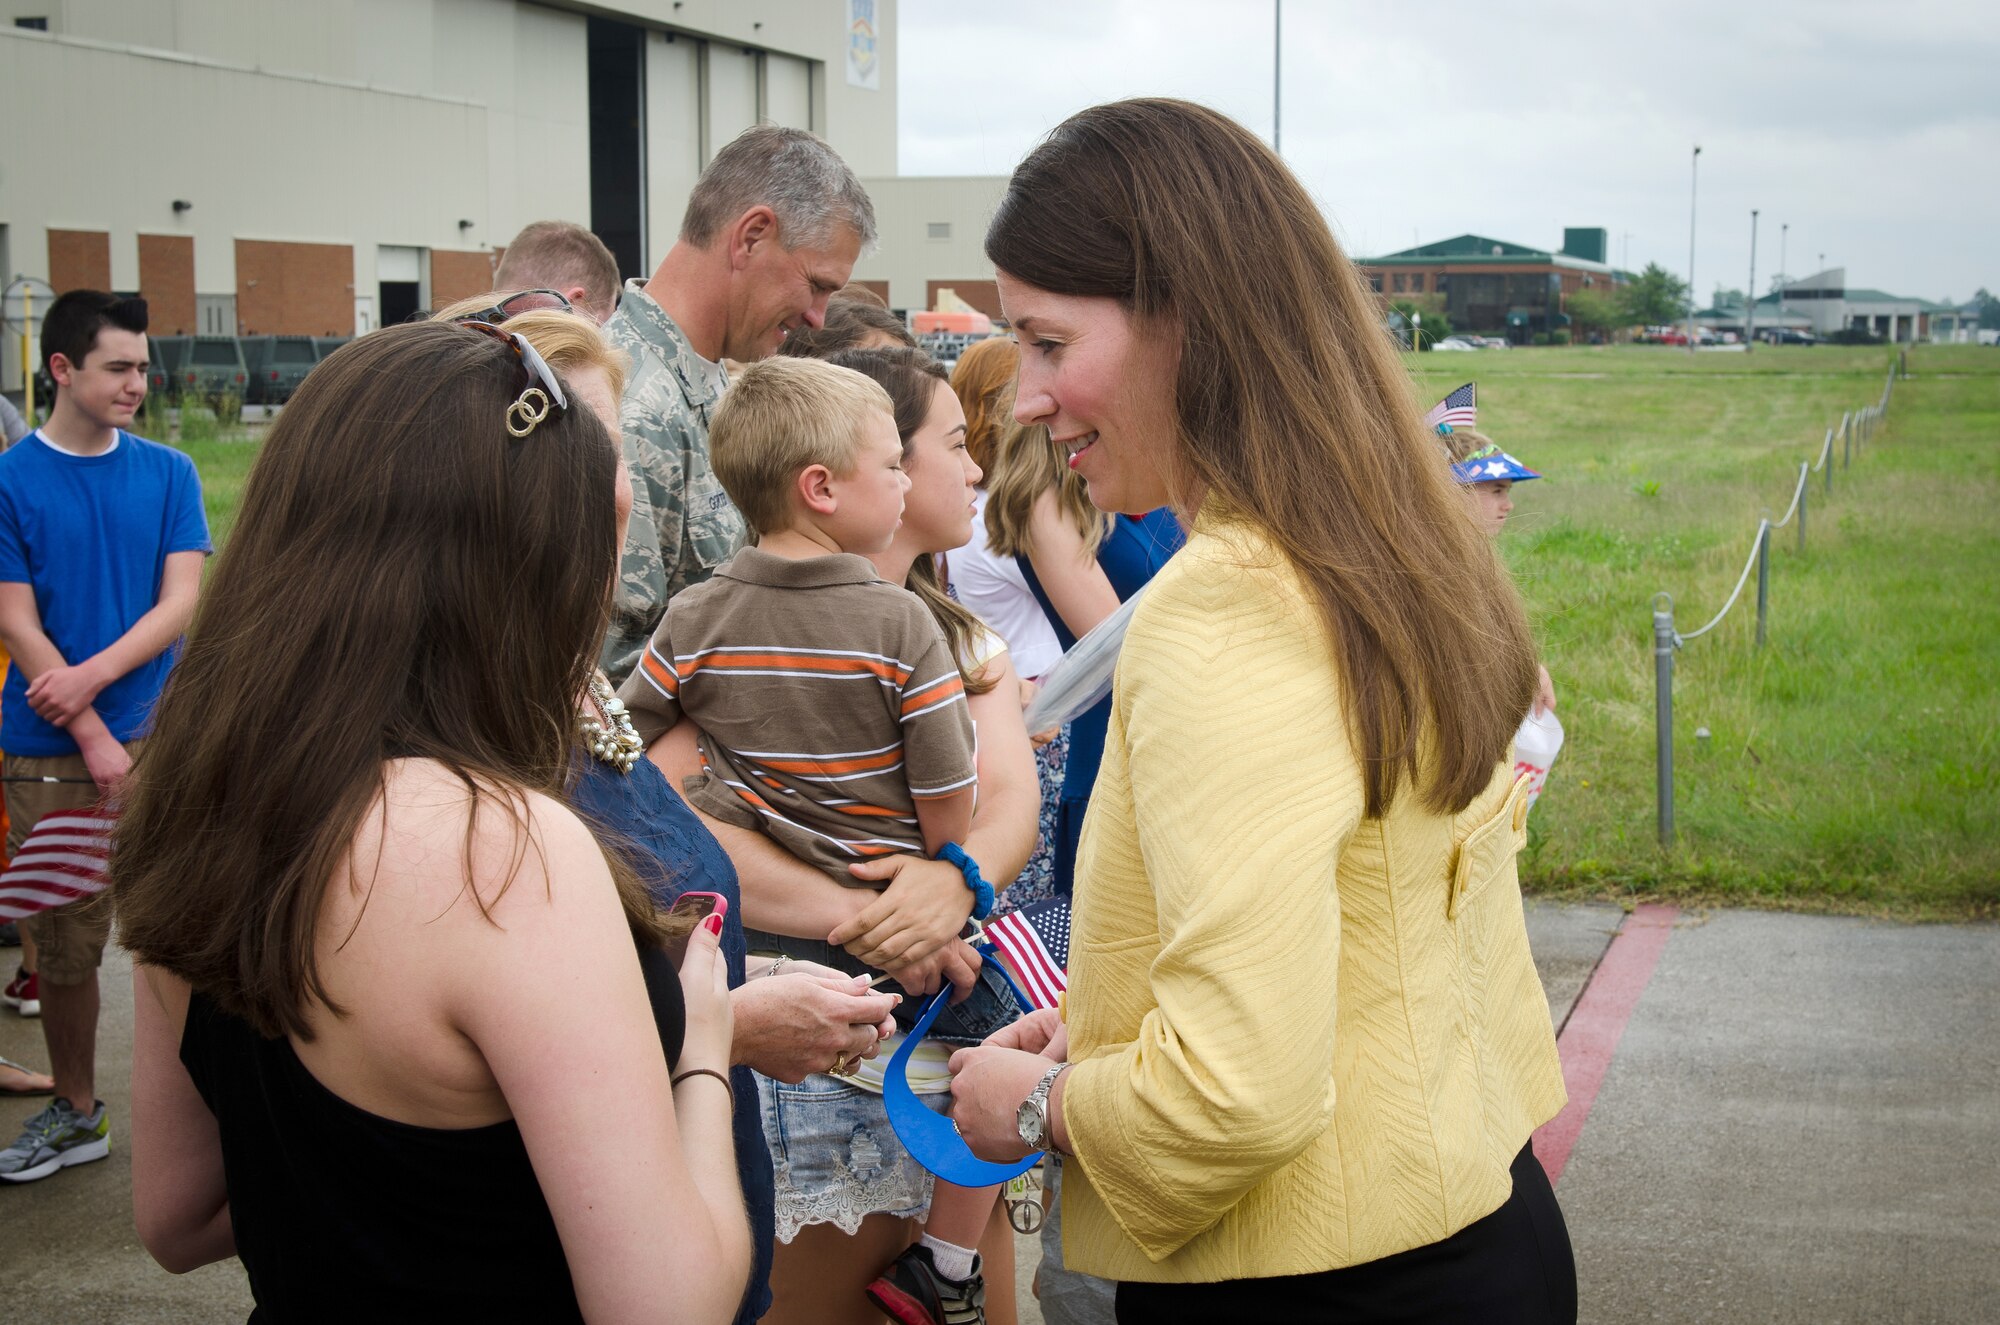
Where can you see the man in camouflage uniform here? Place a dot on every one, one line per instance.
(773, 227)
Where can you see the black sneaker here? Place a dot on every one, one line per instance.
(913, 1292)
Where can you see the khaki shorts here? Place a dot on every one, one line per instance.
(69, 940)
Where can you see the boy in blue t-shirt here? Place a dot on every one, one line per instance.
(102, 538)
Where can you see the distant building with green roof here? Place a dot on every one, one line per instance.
(1490, 285)
(1829, 304)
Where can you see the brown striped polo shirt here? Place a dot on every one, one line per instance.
(827, 698)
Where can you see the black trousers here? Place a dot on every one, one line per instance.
(1513, 1267)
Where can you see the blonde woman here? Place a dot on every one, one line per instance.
(1079, 564)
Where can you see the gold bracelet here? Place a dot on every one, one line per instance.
(723, 1077)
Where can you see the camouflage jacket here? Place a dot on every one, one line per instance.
(683, 525)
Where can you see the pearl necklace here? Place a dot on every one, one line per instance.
(613, 740)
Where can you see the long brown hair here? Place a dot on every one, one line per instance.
(1293, 414)
(984, 380)
(911, 378)
(1027, 463)
(404, 579)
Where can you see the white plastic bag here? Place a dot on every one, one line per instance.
(1535, 748)
(1082, 676)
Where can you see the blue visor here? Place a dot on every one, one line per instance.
(931, 1138)
(1490, 464)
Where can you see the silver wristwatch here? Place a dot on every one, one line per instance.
(1032, 1118)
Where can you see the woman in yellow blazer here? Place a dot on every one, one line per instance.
(1305, 1044)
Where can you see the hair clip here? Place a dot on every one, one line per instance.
(1444, 430)
(528, 411)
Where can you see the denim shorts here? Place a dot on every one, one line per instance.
(835, 1157)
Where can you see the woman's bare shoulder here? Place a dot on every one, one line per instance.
(440, 841)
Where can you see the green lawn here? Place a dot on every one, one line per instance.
(1854, 762)
(224, 465)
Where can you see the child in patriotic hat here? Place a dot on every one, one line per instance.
(1487, 472)
(1488, 475)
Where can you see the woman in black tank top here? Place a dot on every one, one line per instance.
(406, 1038)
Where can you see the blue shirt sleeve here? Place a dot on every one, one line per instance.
(13, 552)
(190, 521)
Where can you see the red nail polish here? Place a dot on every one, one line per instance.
(713, 925)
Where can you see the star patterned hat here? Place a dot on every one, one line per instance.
(1489, 464)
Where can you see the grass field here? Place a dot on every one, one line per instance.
(1854, 762)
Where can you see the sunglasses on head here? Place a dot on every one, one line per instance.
(524, 301)
(543, 392)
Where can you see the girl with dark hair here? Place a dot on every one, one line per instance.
(346, 841)
(1305, 1045)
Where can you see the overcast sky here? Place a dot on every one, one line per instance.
(1869, 127)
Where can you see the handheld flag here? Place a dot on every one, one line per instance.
(1035, 941)
(1460, 409)
(62, 861)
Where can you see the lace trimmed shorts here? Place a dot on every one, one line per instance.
(835, 1157)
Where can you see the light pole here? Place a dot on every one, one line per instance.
(1784, 271)
(1750, 294)
(1694, 180)
(1277, 68)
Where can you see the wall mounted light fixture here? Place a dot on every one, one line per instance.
(182, 205)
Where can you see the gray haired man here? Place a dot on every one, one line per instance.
(772, 228)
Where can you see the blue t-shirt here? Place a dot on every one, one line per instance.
(91, 535)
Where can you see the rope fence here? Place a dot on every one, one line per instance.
(1856, 429)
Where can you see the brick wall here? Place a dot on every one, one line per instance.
(457, 274)
(982, 295)
(79, 260)
(166, 279)
(288, 289)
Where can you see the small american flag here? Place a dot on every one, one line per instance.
(1457, 410)
(62, 861)
(1035, 941)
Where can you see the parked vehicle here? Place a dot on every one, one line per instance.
(213, 368)
(326, 345)
(1454, 343)
(1790, 336)
(168, 353)
(277, 365)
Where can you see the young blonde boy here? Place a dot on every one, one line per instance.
(832, 714)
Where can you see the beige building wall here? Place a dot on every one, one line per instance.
(933, 232)
(436, 125)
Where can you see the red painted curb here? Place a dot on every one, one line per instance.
(1590, 1037)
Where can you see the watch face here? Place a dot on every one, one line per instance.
(1028, 1121)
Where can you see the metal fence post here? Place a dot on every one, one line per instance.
(1847, 426)
(1804, 494)
(1663, 711)
(1763, 574)
(1828, 461)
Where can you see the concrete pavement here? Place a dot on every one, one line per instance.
(1800, 1122)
